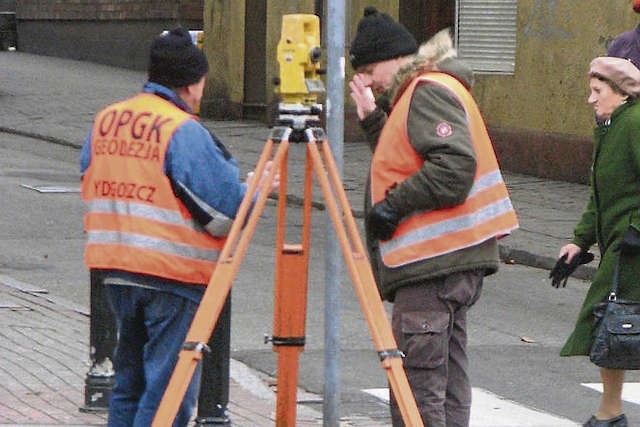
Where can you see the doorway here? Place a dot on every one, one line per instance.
(423, 19)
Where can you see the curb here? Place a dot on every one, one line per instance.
(517, 256)
(34, 135)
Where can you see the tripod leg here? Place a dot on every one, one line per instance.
(364, 282)
(218, 289)
(289, 328)
(290, 303)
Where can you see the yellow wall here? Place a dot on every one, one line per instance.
(224, 27)
(556, 41)
(224, 46)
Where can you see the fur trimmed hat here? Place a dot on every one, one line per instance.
(379, 38)
(620, 71)
(175, 61)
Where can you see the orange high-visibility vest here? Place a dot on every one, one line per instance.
(134, 221)
(486, 213)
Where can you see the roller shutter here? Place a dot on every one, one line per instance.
(486, 34)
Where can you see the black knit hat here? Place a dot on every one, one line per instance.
(175, 61)
(379, 38)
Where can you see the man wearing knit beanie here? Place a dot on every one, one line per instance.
(175, 61)
(379, 38)
(161, 194)
(429, 242)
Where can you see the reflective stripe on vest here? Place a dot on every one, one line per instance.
(134, 221)
(486, 213)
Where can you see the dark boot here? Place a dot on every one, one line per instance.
(619, 421)
(217, 417)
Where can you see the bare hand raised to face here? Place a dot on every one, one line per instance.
(362, 95)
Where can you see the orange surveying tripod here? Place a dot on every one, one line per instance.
(291, 271)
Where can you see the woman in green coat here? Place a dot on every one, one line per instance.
(613, 208)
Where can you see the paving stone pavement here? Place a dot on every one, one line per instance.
(43, 363)
(44, 340)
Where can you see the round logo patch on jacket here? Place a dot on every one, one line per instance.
(444, 130)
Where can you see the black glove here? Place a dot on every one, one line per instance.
(383, 220)
(561, 271)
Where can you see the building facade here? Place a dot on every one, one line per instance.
(531, 61)
(111, 32)
(531, 58)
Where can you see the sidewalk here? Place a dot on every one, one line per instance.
(43, 362)
(44, 350)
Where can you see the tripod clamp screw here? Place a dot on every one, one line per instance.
(200, 347)
(390, 353)
(285, 341)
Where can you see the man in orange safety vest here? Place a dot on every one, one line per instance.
(435, 206)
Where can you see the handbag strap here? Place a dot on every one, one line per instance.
(616, 275)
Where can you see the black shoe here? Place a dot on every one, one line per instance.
(216, 421)
(216, 416)
(619, 421)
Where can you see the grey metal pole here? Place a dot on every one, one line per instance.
(335, 34)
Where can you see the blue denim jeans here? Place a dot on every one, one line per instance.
(152, 326)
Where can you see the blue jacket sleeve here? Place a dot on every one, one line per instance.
(85, 154)
(205, 177)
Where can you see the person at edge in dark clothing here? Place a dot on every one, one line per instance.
(627, 44)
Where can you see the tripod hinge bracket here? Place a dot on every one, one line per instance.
(316, 134)
(280, 133)
(200, 347)
(386, 354)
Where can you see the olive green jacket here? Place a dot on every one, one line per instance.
(443, 181)
(613, 207)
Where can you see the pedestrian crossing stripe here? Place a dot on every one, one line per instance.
(630, 391)
(491, 410)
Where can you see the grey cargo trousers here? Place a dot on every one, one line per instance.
(429, 324)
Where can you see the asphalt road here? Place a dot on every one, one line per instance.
(516, 329)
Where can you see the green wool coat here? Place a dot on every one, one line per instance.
(614, 206)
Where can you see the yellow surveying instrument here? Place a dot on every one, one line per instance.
(298, 83)
(292, 259)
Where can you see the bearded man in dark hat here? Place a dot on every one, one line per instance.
(435, 206)
(162, 193)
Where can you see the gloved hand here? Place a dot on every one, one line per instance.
(383, 220)
(562, 270)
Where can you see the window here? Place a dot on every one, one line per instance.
(486, 34)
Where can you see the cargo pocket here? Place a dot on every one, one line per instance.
(425, 338)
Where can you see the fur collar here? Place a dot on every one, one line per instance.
(429, 56)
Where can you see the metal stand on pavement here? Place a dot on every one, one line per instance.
(102, 342)
(214, 390)
(214, 393)
(291, 270)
